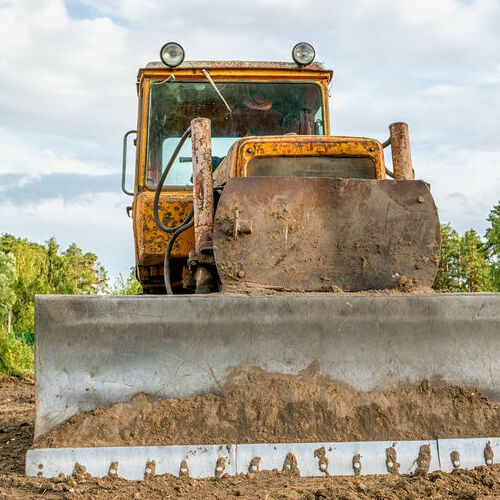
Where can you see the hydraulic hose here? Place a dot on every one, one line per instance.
(156, 216)
(177, 230)
(166, 262)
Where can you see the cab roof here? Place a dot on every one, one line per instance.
(315, 66)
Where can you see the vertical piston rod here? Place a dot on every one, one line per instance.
(203, 202)
(401, 154)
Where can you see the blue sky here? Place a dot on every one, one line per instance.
(67, 95)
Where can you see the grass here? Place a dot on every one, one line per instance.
(17, 358)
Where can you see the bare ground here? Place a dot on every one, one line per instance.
(16, 431)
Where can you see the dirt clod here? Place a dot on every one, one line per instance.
(391, 460)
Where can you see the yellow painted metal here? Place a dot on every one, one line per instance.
(150, 240)
(246, 149)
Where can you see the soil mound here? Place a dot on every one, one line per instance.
(480, 483)
(256, 406)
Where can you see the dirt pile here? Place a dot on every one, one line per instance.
(256, 406)
(480, 483)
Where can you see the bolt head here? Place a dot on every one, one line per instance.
(254, 468)
(489, 461)
(219, 469)
(356, 465)
(390, 465)
(456, 463)
(322, 466)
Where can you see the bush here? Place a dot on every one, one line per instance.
(17, 358)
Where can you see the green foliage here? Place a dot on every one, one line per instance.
(8, 276)
(493, 245)
(463, 264)
(474, 268)
(16, 357)
(447, 277)
(43, 269)
(129, 286)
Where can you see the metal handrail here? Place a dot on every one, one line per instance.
(124, 161)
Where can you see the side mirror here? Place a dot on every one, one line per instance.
(124, 161)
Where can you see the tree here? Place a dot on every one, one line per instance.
(493, 245)
(8, 276)
(447, 277)
(129, 286)
(474, 268)
(43, 269)
(31, 270)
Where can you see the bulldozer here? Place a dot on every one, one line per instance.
(262, 240)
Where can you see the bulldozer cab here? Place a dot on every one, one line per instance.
(242, 100)
(261, 99)
(257, 109)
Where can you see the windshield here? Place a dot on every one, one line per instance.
(259, 108)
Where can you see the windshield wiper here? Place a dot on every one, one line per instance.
(209, 78)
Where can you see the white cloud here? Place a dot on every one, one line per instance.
(28, 162)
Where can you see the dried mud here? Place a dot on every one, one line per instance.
(16, 421)
(256, 406)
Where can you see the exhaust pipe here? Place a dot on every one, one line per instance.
(401, 154)
(203, 202)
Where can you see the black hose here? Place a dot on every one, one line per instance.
(177, 230)
(166, 261)
(156, 216)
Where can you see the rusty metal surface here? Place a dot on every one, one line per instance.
(248, 148)
(203, 195)
(315, 66)
(310, 234)
(150, 241)
(401, 153)
(203, 198)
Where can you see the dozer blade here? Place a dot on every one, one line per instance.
(96, 351)
(318, 234)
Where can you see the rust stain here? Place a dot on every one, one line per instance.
(150, 241)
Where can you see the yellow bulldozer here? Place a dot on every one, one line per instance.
(263, 241)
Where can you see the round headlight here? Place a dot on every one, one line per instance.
(303, 54)
(172, 54)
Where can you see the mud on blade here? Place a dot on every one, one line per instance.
(317, 234)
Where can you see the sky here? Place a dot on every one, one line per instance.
(67, 96)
